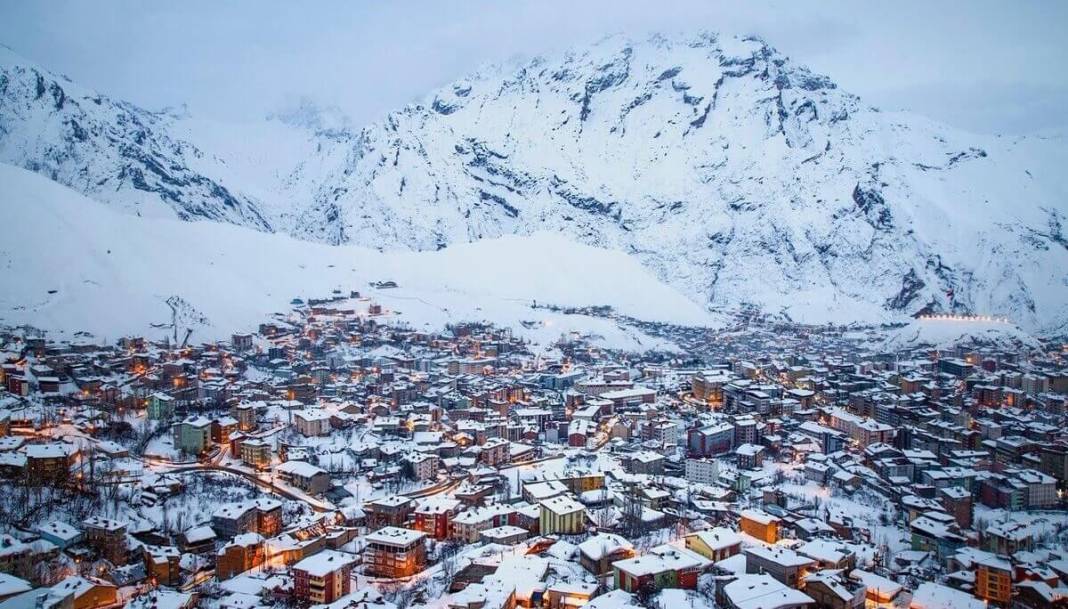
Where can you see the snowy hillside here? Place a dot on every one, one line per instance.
(73, 264)
(948, 333)
(732, 174)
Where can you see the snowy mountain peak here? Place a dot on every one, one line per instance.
(111, 150)
(734, 174)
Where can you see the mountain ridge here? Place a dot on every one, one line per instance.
(731, 173)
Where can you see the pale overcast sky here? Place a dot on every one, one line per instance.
(981, 65)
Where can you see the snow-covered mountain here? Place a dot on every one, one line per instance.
(733, 174)
(75, 265)
(108, 149)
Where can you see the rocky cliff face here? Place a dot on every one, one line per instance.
(738, 177)
(107, 149)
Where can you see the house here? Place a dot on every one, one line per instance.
(192, 436)
(783, 564)
(562, 514)
(163, 564)
(936, 532)
(494, 452)
(11, 586)
(395, 552)
(246, 551)
(832, 590)
(761, 592)
(664, 566)
(423, 466)
(89, 593)
(262, 515)
(51, 461)
(993, 580)
(164, 599)
(16, 557)
(597, 553)
(645, 462)
(434, 514)
(197, 540)
(506, 535)
(749, 456)
(222, 428)
(312, 422)
(60, 534)
(107, 537)
(715, 544)
(829, 554)
(701, 470)
(256, 453)
(389, 511)
(160, 407)
(467, 526)
(759, 524)
(930, 595)
(323, 577)
(1008, 537)
(539, 491)
(305, 476)
(879, 589)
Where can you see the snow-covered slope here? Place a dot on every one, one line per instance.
(732, 174)
(948, 333)
(74, 264)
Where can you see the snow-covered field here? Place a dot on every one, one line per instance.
(69, 263)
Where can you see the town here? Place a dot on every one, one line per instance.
(336, 457)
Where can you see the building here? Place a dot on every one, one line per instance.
(936, 532)
(832, 590)
(761, 592)
(197, 540)
(711, 440)
(993, 580)
(193, 436)
(423, 466)
(163, 564)
(160, 407)
(312, 422)
(246, 551)
(645, 462)
(323, 577)
(88, 592)
(664, 566)
(16, 557)
(562, 515)
(598, 553)
(395, 552)
(715, 544)
(433, 515)
(262, 515)
(305, 476)
(749, 456)
(468, 526)
(701, 470)
(494, 452)
(783, 564)
(760, 525)
(389, 511)
(107, 537)
(60, 534)
(256, 453)
(50, 461)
